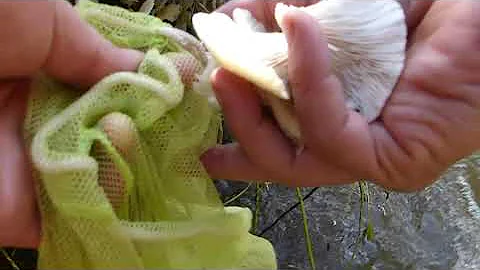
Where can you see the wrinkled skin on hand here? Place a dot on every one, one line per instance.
(40, 36)
(431, 120)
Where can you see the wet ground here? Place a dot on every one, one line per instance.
(438, 228)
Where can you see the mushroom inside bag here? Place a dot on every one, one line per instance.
(117, 168)
(366, 40)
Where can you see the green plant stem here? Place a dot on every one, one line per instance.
(368, 232)
(258, 190)
(9, 259)
(308, 240)
(235, 197)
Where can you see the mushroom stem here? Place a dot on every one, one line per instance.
(283, 112)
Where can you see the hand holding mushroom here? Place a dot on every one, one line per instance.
(367, 51)
(401, 139)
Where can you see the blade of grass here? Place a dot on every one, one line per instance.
(235, 197)
(9, 259)
(370, 234)
(366, 232)
(308, 240)
(258, 194)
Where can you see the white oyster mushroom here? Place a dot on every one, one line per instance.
(242, 51)
(244, 18)
(366, 41)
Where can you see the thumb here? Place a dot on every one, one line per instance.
(317, 93)
(336, 134)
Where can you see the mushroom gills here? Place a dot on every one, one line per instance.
(366, 43)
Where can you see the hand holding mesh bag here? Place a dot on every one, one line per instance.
(120, 183)
(47, 36)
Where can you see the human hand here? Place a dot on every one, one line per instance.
(431, 120)
(45, 36)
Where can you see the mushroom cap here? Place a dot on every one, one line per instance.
(242, 51)
(367, 43)
(366, 38)
(244, 18)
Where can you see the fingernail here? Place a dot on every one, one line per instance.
(288, 24)
(210, 159)
(220, 84)
(210, 154)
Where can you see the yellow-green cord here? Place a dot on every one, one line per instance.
(308, 240)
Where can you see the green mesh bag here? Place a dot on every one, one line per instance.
(119, 181)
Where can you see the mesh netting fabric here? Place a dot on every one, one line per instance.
(119, 181)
